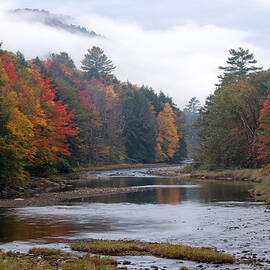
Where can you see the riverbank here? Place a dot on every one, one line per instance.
(122, 166)
(260, 179)
(57, 198)
(37, 185)
(59, 189)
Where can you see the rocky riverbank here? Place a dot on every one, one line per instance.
(61, 189)
(53, 198)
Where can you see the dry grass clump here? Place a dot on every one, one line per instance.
(262, 190)
(53, 259)
(241, 175)
(12, 261)
(121, 166)
(120, 248)
(89, 262)
(47, 252)
(113, 248)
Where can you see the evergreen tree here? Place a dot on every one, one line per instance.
(240, 65)
(139, 128)
(21, 59)
(96, 63)
(191, 113)
(62, 58)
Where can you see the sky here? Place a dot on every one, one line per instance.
(173, 46)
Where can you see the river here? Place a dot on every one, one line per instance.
(219, 214)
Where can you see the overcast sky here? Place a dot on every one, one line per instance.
(173, 45)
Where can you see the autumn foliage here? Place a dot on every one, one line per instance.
(264, 133)
(167, 136)
(34, 127)
(55, 117)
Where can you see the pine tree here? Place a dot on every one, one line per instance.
(139, 128)
(193, 106)
(62, 58)
(96, 63)
(240, 65)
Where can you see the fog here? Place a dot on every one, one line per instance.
(181, 61)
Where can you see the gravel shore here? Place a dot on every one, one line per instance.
(53, 198)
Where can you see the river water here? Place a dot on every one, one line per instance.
(220, 214)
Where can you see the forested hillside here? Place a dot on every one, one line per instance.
(54, 116)
(234, 124)
(53, 20)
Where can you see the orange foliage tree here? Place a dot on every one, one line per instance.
(264, 134)
(167, 136)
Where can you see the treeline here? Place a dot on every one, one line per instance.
(54, 116)
(234, 124)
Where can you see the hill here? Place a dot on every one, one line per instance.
(53, 20)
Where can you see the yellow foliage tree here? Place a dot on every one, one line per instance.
(167, 136)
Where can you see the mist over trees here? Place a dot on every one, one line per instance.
(54, 117)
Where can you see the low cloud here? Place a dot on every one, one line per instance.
(181, 61)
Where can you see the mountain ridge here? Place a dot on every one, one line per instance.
(58, 21)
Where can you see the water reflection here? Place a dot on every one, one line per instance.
(165, 206)
(171, 191)
(51, 227)
(14, 228)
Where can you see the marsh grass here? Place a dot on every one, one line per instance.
(50, 252)
(262, 190)
(52, 259)
(121, 248)
(122, 166)
(11, 261)
(240, 175)
(89, 262)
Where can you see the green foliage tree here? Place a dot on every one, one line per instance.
(139, 128)
(62, 58)
(96, 63)
(21, 59)
(228, 123)
(191, 113)
(193, 106)
(239, 65)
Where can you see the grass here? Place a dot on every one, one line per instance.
(11, 261)
(170, 251)
(121, 166)
(253, 175)
(262, 190)
(50, 252)
(52, 259)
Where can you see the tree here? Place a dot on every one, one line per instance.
(193, 106)
(167, 137)
(228, 123)
(264, 134)
(62, 58)
(139, 128)
(96, 63)
(21, 59)
(240, 65)
(191, 113)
